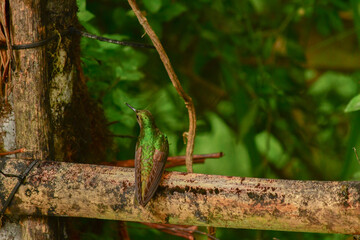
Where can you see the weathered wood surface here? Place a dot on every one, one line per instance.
(105, 192)
(31, 101)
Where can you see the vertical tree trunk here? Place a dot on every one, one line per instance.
(54, 116)
(31, 100)
(43, 101)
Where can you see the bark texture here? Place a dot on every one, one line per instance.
(43, 76)
(54, 115)
(104, 192)
(31, 104)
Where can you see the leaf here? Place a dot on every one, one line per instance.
(322, 23)
(354, 104)
(294, 50)
(331, 81)
(83, 14)
(130, 75)
(248, 120)
(269, 146)
(134, 59)
(174, 10)
(152, 5)
(335, 21)
(259, 5)
(268, 47)
(113, 114)
(236, 161)
(208, 35)
(81, 5)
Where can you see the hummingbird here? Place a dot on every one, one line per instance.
(151, 152)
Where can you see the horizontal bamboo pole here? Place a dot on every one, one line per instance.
(106, 192)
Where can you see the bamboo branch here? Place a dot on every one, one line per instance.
(175, 81)
(105, 192)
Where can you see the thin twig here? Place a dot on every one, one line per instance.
(13, 152)
(176, 163)
(123, 232)
(5, 45)
(211, 233)
(169, 164)
(197, 156)
(109, 40)
(175, 81)
(171, 161)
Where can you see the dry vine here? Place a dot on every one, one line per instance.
(5, 55)
(175, 81)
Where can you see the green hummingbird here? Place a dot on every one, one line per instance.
(152, 149)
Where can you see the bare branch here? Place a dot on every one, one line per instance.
(171, 161)
(175, 81)
(21, 150)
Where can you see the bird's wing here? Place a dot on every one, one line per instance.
(138, 175)
(156, 172)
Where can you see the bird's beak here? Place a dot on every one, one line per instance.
(130, 107)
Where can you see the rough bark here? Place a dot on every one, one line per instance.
(54, 115)
(31, 104)
(41, 86)
(62, 54)
(105, 192)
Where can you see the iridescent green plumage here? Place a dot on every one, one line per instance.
(151, 153)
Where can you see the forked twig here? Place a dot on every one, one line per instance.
(175, 81)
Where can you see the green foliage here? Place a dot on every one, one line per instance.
(354, 104)
(270, 81)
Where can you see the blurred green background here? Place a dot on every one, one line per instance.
(270, 81)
